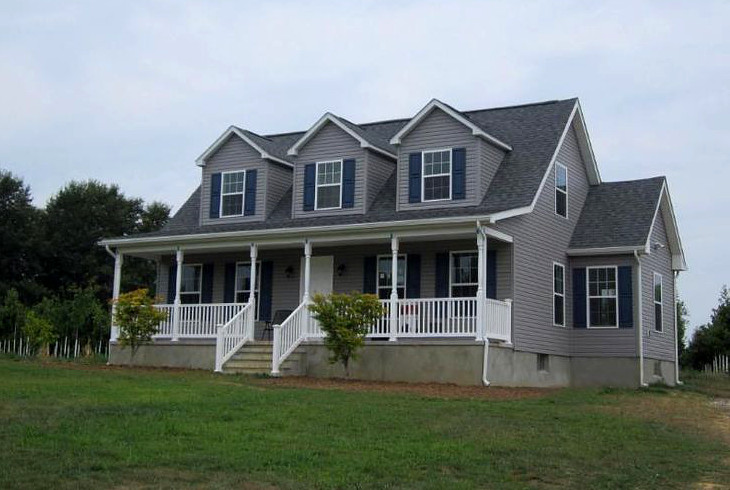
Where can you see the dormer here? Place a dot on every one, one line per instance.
(244, 176)
(339, 168)
(445, 159)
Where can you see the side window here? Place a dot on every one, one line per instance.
(561, 190)
(385, 276)
(243, 282)
(464, 274)
(558, 294)
(191, 283)
(658, 293)
(602, 297)
(436, 175)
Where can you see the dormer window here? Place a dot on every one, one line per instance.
(232, 191)
(329, 185)
(436, 175)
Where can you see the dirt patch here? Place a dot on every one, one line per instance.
(432, 390)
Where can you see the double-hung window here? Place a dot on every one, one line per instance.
(558, 294)
(329, 185)
(232, 190)
(385, 276)
(602, 297)
(561, 190)
(464, 274)
(658, 292)
(243, 282)
(191, 283)
(436, 175)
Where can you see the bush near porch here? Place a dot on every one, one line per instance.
(72, 426)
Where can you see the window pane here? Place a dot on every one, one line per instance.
(329, 173)
(603, 312)
(233, 182)
(436, 188)
(658, 289)
(190, 279)
(384, 272)
(243, 277)
(558, 286)
(190, 299)
(561, 203)
(561, 178)
(559, 310)
(232, 205)
(464, 268)
(463, 291)
(328, 197)
(658, 317)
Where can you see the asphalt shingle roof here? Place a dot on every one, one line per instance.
(618, 214)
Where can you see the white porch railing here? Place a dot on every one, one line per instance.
(498, 321)
(289, 334)
(437, 317)
(232, 335)
(196, 320)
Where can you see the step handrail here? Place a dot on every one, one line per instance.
(288, 335)
(233, 335)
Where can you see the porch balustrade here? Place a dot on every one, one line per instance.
(197, 321)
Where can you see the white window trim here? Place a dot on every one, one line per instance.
(317, 185)
(588, 296)
(378, 287)
(655, 302)
(242, 193)
(562, 266)
(199, 292)
(424, 176)
(451, 276)
(257, 288)
(567, 189)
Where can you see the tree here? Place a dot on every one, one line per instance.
(345, 319)
(39, 332)
(12, 315)
(714, 338)
(154, 217)
(19, 221)
(137, 318)
(681, 313)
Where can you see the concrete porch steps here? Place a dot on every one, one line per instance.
(255, 358)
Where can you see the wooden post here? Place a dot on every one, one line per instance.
(179, 256)
(394, 288)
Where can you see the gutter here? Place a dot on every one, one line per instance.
(641, 322)
(676, 332)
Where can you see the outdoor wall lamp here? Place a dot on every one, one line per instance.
(289, 271)
(341, 269)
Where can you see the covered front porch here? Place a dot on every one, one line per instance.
(448, 286)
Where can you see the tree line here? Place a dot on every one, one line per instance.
(55, 280)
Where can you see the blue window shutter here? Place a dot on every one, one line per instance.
(413, 279)
(206, 295)
(171, 281)
(266, 287)
(229, 283)
(414, 177)
(492, 274)
(458, 173)
(625, 298)
(348, 183)
(215, 195)
(442, 275)
(249, 207)
(579, 298)
(369, 274)
(310, 174)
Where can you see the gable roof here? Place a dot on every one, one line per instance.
(367, 140)
(619, 217)
(266, 147)
(476, 128)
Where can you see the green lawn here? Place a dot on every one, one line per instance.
(65, 426)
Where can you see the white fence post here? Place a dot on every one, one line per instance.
(219, 350)
(276, 351)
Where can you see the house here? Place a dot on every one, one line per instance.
(497, 250)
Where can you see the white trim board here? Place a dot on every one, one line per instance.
(233, 130)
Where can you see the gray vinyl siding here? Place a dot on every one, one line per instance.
(603, 342)
(278, 181)
(233, 155)
(330, 143)
(437, 131)
(541, 238)
(377, 171)
(658, 345)
(490, 158)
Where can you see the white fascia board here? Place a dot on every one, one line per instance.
(577, 252)
(329, 117)
(672, 229)
(200, 161)
(437, 104)
(428, 225)
(584, 142)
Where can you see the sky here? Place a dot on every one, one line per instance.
(132, 92)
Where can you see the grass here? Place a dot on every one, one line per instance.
(68, 426)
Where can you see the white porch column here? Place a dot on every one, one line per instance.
(481, 327)
(394, 288)
(253, 254)
(305, 295)
(179, 256)
(116, 289)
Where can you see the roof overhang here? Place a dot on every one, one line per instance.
(331, 118)
(437, 104)
(672, 228)
(233, 130)
(582, 252)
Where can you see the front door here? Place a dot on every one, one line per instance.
(321, 274)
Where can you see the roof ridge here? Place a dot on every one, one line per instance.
(517, 106)
(645, 179)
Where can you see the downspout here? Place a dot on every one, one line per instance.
(676, 333)
(109, 251)
(485, 362)
(641, 322)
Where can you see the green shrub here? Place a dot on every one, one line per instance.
(137, 318)
(345, 319)
(39, 331)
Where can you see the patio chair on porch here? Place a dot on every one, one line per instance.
(279, 316)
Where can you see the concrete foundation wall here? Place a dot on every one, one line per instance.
(659, 371)
(181, 354)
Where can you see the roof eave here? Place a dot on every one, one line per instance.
(201, 160)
